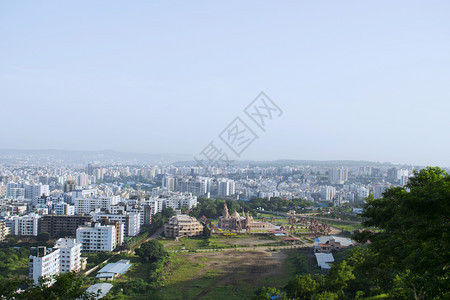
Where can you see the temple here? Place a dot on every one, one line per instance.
(235, 222)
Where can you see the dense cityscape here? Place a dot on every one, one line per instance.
(224, 150)
(69, 219)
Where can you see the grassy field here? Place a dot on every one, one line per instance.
(213, 275)
(221, 242)
(343, 226)
(228, 275)
(231, 274)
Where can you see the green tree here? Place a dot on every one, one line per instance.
(301, 287)
(206, 231)
(151, 251)
(265, 293)
(167, 212)
(325, 296)
(65, 286)
(339, 276)
(43, 237)
(412, 249)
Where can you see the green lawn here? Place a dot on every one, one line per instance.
(344, 226)
(221, 242)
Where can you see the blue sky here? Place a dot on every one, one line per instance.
(362, 80)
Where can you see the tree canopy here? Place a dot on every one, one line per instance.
(411, 250)
(151, 251)
(405, 256)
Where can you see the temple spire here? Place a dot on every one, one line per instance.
(225, 212)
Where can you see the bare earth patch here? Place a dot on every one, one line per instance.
(231, 274)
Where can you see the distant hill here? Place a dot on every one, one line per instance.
(110, 157)
(291, 162)
(105, 157)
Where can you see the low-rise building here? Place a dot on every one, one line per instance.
(183, 225)
(325, 244)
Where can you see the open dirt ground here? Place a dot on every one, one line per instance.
(231, 274)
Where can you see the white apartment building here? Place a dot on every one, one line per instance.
(88, 193)
(83, 180)
(327, 193)
(225, 187)
(178, 201)
(362, 192)
(23, 225)
(44, 263)
(26, 191)
(131, 221)
(338, 175)
(156, 204)
(86, 205)
(97, 238)
(33, 191)
(70, 255)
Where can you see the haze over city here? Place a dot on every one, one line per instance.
(355, 81)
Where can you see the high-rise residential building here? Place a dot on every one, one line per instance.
(3, 231)
(327, 193)
(404, 179)
(392, 174)
(131, 221)
(86, 205)
(63, 209)
(379, 190)
(15, 190)
(44, 263)
(97, 237)
(69, 186)
(27, 225)
(178, 201)
(33, 191)
(169, 183)
(70, 255)
(362, 192)
(62, 225)
(225, 187)
(338, 175)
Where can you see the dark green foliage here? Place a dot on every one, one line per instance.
(301, 287)
(14, 261)
(206, 231)
(407, 257)
(151, 251)
(66, 286)
(411, 251)
(43, 236)
(213, 208)
(167, 212)
(265, 293)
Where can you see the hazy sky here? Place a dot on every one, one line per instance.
(360, 80)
